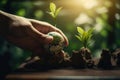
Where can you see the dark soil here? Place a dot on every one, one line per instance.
(80, 59)
(79, 64)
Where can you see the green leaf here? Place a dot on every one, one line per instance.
(52, 14)
(84, 36)
(53, 10)
(90, 31)
(52, 7)
(78, 37)
(57, 11)
(80, 30)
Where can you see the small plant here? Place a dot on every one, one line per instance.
(57, 44)
(84, 54)
(84, 36)
(54, 11)
(56, 55)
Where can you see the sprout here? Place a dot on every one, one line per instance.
(84, 36)
(57, 44)
(53, 10)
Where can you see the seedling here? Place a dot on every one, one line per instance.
(84, 52)
(55, 48)
(57, 44)
(54, 11)
(84, 36)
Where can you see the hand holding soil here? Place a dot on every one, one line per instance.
(27, 33)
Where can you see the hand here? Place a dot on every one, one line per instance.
(26, 33)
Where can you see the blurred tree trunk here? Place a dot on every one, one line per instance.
(111, 22)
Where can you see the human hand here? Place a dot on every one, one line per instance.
(30, 34)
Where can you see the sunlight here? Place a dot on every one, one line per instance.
(75, 7)
(83, 19)
(89, 4)
(102, 10)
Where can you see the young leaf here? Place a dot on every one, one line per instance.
(52, 7)
(80, 30)
(53, 10)
(84, 36)
(90, 31)
(78, 37)
(52, 14)
(57, 11)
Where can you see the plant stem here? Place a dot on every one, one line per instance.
(55, 21)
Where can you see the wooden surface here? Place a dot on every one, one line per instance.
(66, 74)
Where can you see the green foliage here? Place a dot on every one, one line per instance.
(38, 14)
(21, 12)
(84, 36)
(53, 10)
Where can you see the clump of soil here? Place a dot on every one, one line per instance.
(105, 60)
(77, 60)
(116, 57)
(82, 58)
(58, 60)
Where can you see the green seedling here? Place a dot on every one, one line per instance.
(57, 44)
(54, 11)
(84, 36)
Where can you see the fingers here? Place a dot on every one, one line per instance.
(44, 27)
(40, 37)
(41, 26)
(66, 42)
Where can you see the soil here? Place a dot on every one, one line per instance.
(80, 59)
(77, 65)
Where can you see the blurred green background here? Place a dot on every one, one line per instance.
(103, 15)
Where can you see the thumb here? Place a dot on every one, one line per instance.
(40, 37)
